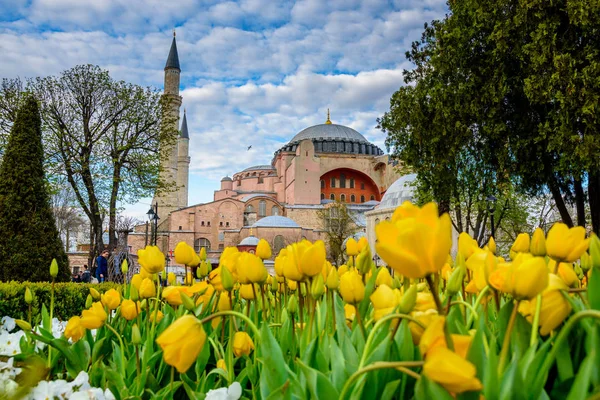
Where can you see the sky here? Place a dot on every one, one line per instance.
(253, 72)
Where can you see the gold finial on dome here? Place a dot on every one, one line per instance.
(174, 34)
(251, 234)
(328, 122)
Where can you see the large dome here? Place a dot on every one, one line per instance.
(399, 192)
(332, 138)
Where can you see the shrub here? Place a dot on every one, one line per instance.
(69, 298)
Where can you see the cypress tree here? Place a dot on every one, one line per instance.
(29, 239)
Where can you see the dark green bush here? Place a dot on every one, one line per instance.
(69, 298)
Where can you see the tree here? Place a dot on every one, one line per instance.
(29, 239)
(68, 216)
(104, 135)
(338, 224)
(502, 95)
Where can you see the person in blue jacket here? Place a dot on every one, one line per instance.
(102, 266)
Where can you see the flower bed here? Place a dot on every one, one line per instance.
(440, 328)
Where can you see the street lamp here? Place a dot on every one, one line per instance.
(167, 261)
(491, 208)
(153, 217)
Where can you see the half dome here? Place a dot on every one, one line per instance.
(275, 221)
(400, 191)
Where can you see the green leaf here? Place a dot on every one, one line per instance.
(273, 375)
(338, 369)
(579, 389)
(390, 390)
(593, 291)
(318, 384)
(429, 390)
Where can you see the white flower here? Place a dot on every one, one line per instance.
(7, 324)
(93, 394)
(234, 392)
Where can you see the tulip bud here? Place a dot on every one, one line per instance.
(203, 270)
(143, 304)
(221, 363)
(460, 260)
(455, 281)
(187, 301)
(595, 251)
(333, 280)
(586, 262)
(28, 296)
(163, 275)
(273, 285)
(396, 282)
(317, 288)
(292, 305)
(134, 293)
(408, 301)
(88, 301)
(538, 243)
(136, 336)
(53, 268)
(95, 294)
(227, 279)
(125, 266)
(578, 271)
(202, 254)
(363, 261)
(24, 325)
(492, 245)
(350, 262)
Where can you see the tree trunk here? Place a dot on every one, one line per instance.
(67, 238)
(579, 202)
(594, 199)
(560, 203)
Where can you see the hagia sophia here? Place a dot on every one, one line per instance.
(279, 201)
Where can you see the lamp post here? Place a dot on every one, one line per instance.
(491, 208)
(167, 261)
(153, 217)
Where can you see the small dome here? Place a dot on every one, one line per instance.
(399, 192)
(249, 241)
(264, 167)
(275, 221)
(226, 178)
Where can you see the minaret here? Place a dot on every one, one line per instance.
(167, 197)
(183, 163)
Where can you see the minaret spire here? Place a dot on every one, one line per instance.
(184, 127)
(173, 59)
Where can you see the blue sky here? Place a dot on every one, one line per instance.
(254, 72)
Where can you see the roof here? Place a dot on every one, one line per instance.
(275, 221)
(254, 195)
(329, 131)
(184, 128)
(226, 178)
(173, 59)
(249, 241)
(259, 167)
(400, 191)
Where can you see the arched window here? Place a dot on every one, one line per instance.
(322, 184)
(343, 198)
(274, 210)
(332, 182)
(249, 208)
(342, 181)
(200, 243)
(221, 223)
(278, 244)
(208, 223)
(322, 196)
(376, 221)
(353, 199)
(262, 208)
(332, 196)
(351, 183)
(372, 197)
(202, 223)
(362, 186)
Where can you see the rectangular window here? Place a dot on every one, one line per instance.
(362, 186)
(262, 208)
(342, 181)
(260, 179)
(351, 183)
(332, 182)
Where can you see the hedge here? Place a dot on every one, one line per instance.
(69, 298)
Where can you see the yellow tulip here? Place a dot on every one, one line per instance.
(384, 301)
(215, 279)
(349, 313)
(342, 270)
(450, 370)
(555, 308)
(159, 316)
(424, 317)
(129, 309)
(151, 259)
(221, 363)
(202, 254)
(74, 330)
(521, 244)
(224, 303)
(351, 247)
(492, 245)
(171, 295)
(279, 263)
(181, 342)
(425, 302)
(383, 277)
(466, 245)
(111, 299)
(195, 259)
(263, 250)
(207, 295)
(538, 243)
(171, 278)
(94, 317)
(147, 289)
(418, 245)
(291, 267)
(242, 344)
(524, 278)
(229, 259)
(292, 285)
(564, 244)
(312, 259)
(246, 292)
(184, 253)
(406, 210)
(251, 268)
(95, 294)
(352, 288)
(565, 272)
(362, 243)
(333, 279)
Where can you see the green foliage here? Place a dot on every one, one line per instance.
(69, 298)
(29, 239)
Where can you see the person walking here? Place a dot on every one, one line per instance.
(102, 266)
(86, 277)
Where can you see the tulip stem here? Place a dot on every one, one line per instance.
(536, 322)
(360, 323)
(137, 360)
(380, 365)
(506, 342)
(477, 301)
(123, 359)
(264, 302)
(379, 324)
(441, 310)
(333, 311)
(470, 307)
(233, 314)
(51, 315)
